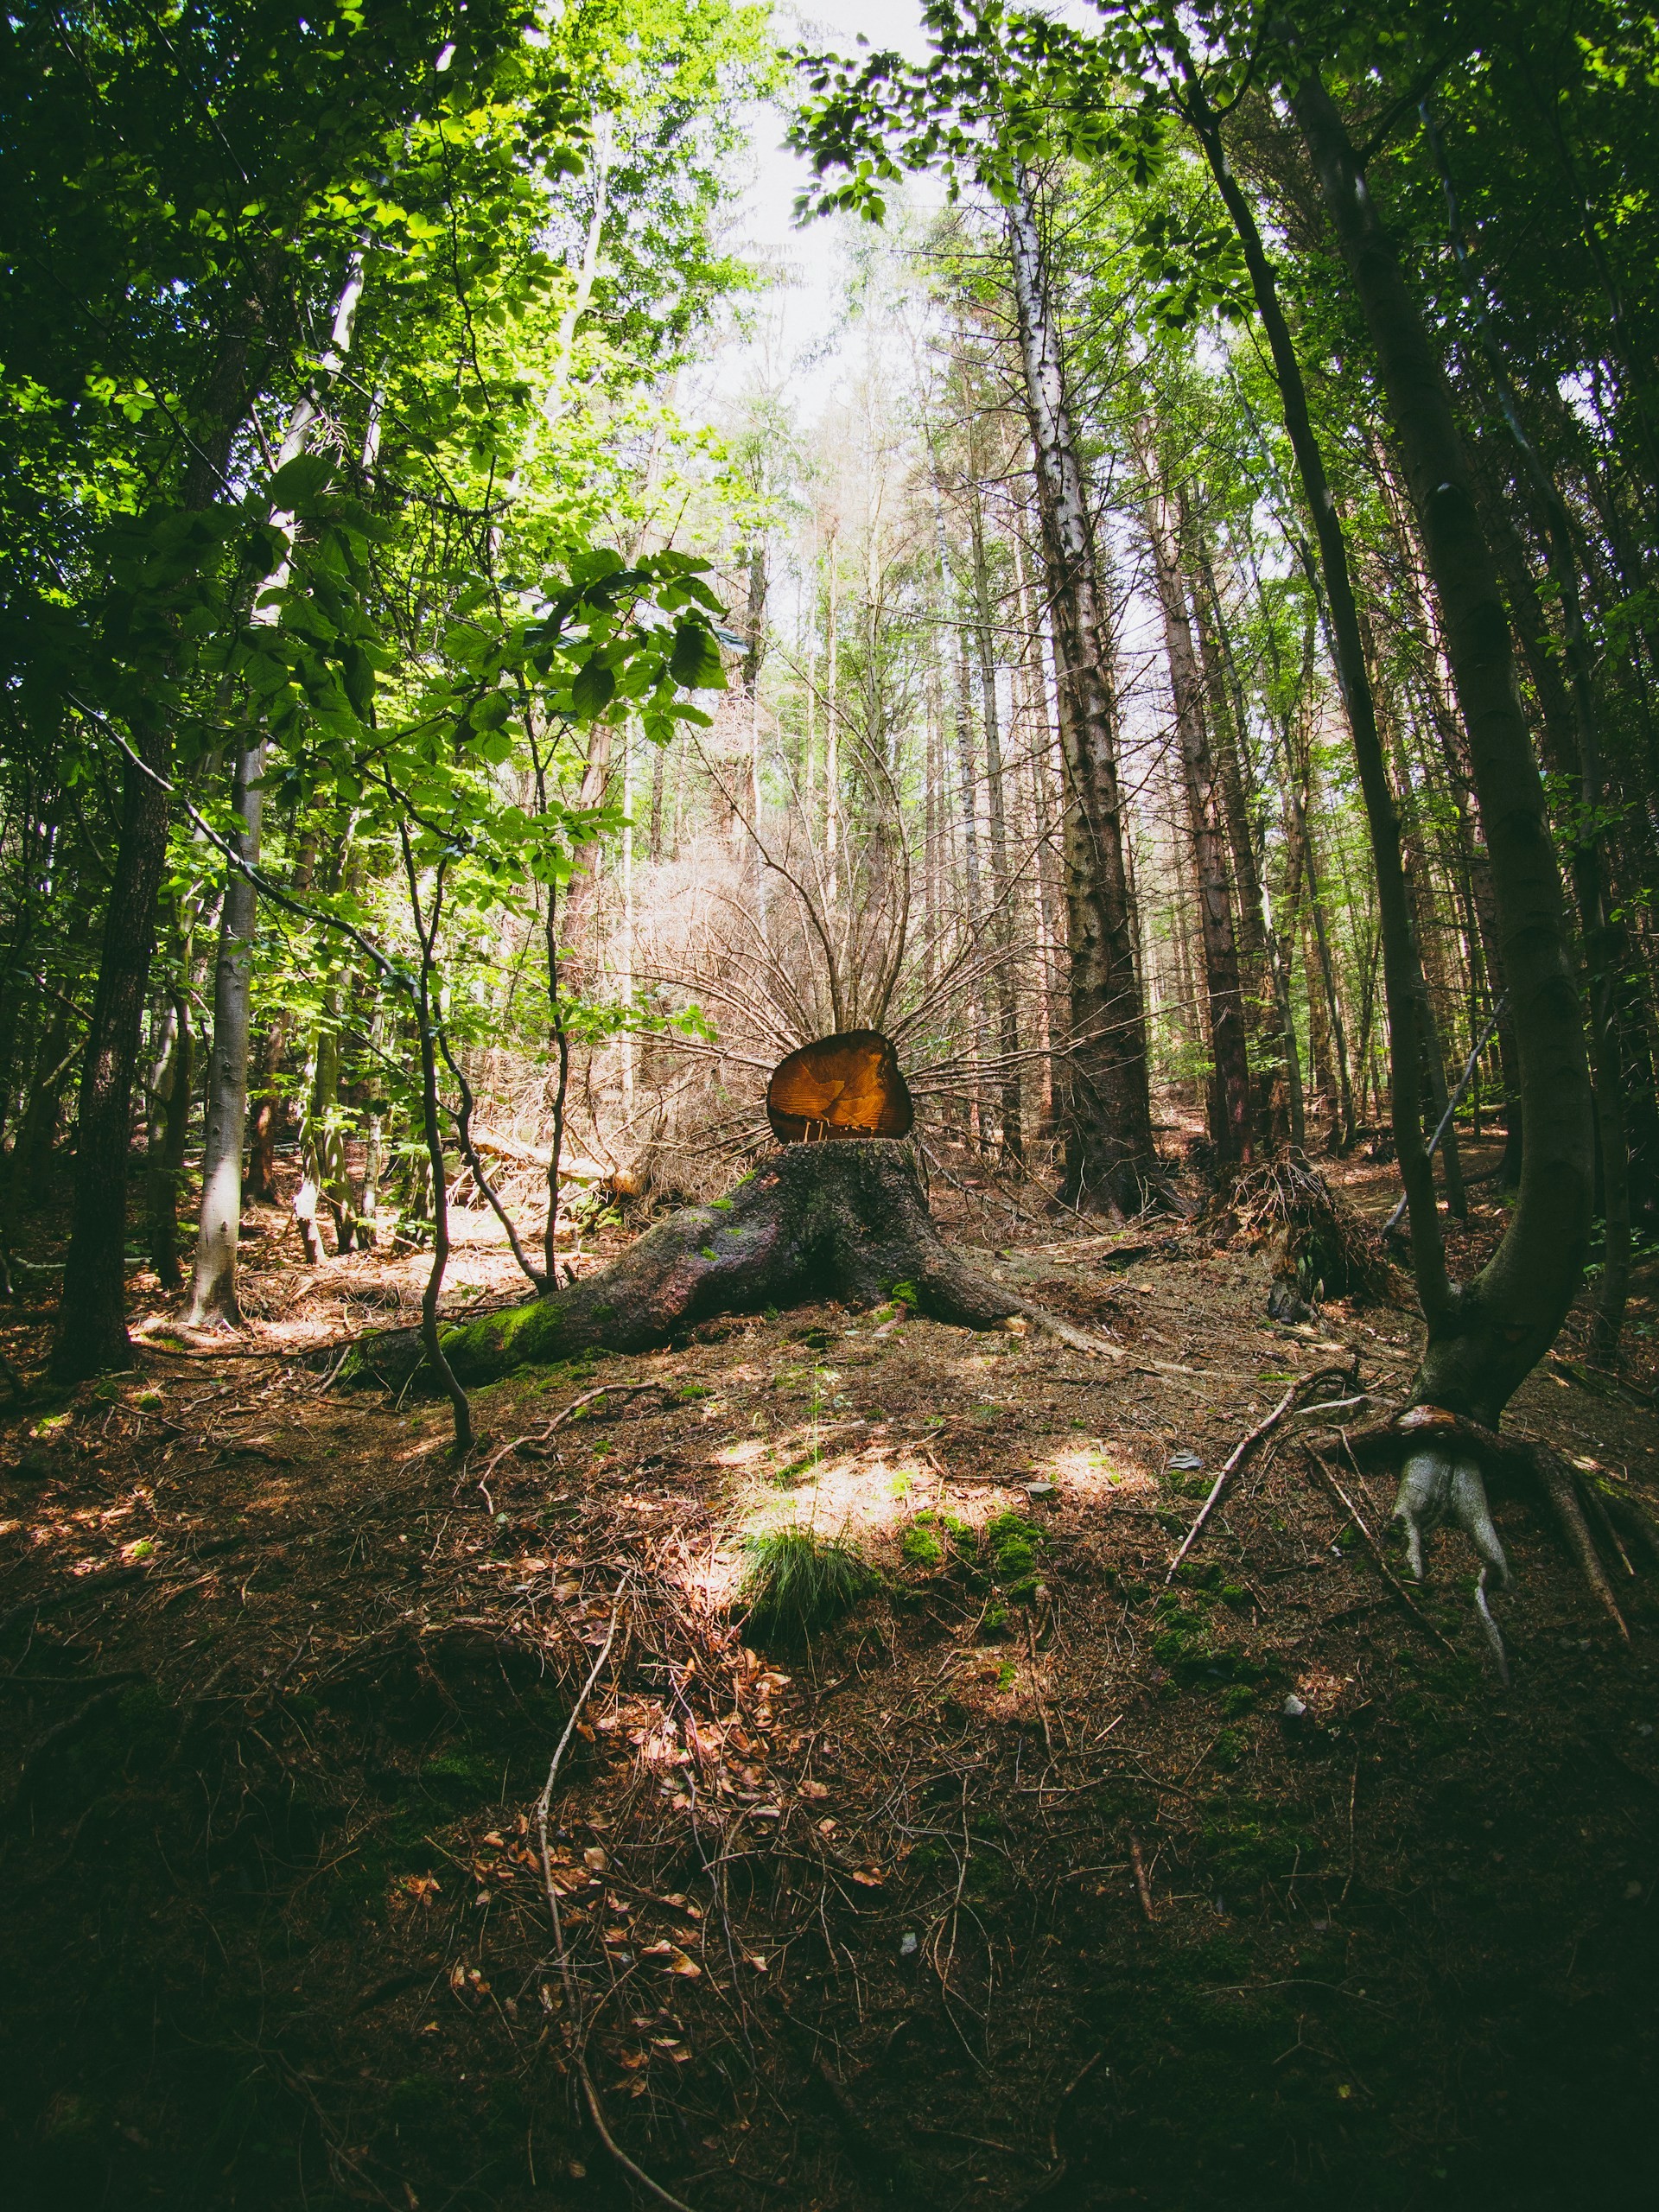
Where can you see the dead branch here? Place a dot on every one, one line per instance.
(1241, 1452)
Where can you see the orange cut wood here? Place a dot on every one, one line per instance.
(843, 1086)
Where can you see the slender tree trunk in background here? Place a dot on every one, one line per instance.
(1264, 1001)
(1231, 1127)
(1111, 1163)
(38, 1123)
(212, 1291)
(1428, 1257)
(1316, 916)
(1007, 1025)
(1295, 1103)
(169, 1087)
(374, 1141)
(1487, 1337)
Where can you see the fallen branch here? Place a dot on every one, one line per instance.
(1142, 1885)
(1562, 1489)
(617, 1390)
(1241, 1451)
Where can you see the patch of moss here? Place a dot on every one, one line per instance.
(920, 1546)
(1013, 1540)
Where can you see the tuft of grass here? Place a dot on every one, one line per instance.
(796, 1582)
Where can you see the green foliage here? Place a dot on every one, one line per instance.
(797, 1583)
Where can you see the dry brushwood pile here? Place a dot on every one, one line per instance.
(1319, 1246)
(781, 1768)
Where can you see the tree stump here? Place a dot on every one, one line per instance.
(846, 1221)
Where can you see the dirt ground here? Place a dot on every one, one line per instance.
(1018, 1887)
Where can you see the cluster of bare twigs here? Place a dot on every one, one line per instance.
(1323, 1246)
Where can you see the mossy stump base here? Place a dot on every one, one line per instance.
(847, 1220)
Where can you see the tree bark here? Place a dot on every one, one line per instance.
(1428, 1253)
(91, 1332)
(1230, 1122)
(1007, 1025)
(213, 1294)
(169, 1116)
(1486, 1337)
(1111, 1164)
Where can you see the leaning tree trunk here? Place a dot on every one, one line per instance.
(1489, 1336)
(845, 1220)
(1484, 1337)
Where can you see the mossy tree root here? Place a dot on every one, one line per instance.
(847, 1221)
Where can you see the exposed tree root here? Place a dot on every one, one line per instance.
(1445, 1463)
(847, 1221)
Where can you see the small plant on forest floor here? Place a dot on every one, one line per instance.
(796, 1582)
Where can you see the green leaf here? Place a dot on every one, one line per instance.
(593, 689)
(298, 481)
(695, 663)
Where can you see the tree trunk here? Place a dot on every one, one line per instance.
(1007, 1025)
(91, 1333)
(1487, 1337)
(213, 1294)
(168, 1123)
(844, 1220)
(1111, 1165)
(1230, 1125)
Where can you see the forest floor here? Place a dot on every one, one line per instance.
(1017, 1888)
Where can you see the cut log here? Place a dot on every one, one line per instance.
(845, 1221)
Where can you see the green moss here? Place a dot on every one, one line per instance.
(921, 1546)
(1012, 1541)
(724, 1204)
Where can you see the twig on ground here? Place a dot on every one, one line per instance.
(566, 1971)
(1241, 1451)
(1142, 1885)
(1563, 1491)
(618, 1389)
